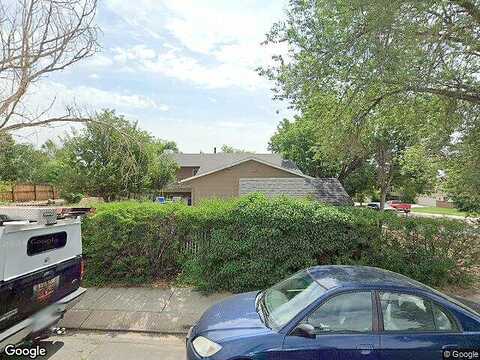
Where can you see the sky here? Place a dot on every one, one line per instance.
(183, 69)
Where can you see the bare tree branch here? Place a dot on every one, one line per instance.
(38, 37)
(45, 122)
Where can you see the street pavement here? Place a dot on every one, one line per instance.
(111, 346)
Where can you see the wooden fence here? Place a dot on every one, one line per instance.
(29, 192)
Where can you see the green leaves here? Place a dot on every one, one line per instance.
(112, 158)
(22, 162)
(394, 46)
(252, 242)
(462, 182)
(370, 79)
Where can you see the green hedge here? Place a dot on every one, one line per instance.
(252, 242)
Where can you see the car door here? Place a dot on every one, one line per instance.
(414, 327)
(344, 329)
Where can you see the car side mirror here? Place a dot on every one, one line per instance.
(304, 330)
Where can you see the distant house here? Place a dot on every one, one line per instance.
(437, 199)
(225, 175)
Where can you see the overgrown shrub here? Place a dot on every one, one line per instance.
(252, 242)
(71, 197)
(268, 239)
(434, 251)
(130, 242)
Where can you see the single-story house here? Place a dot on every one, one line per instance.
(437, 199)
(225, 175)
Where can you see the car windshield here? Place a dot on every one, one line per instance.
(283, 301)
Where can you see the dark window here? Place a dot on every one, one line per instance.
(405, 312)
(349, 312)
(42, 243)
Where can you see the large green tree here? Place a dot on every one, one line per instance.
(112, 158)
(401, 79)
(382, 148)
(369, 50)
(21, 162)
(320, 141)
(462, 180)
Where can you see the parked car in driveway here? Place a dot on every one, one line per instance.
(400, 206)
(336, 312)
(392, 205)
(376, 206)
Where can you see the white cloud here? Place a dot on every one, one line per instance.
(163, 107)
(55, 97)
(226, 37)
(135, 53)
(145, 16)
(193, 136)
(97, 61)
(174, 64)
(95, 98)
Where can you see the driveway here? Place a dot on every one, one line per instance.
(112, 346)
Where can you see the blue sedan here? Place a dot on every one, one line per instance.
(338, 313)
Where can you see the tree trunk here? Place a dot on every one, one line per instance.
(383, 198)
(384, 171)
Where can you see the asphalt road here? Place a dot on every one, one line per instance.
(111, 346)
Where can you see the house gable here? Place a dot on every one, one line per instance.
(254, 159)
(207, 163)
(225, 182)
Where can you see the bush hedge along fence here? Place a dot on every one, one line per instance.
(251, 242)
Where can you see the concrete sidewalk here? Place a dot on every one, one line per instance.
(166, 311)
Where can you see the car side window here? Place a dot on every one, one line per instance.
(348, 312)
(443, 322)
(406, 312)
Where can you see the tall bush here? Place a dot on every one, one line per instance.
(251, 242)
(130, 243)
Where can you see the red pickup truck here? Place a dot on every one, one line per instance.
(399, 206)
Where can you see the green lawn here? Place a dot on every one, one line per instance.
(437, 210)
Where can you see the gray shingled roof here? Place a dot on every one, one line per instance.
(328, 190)
(210, 162)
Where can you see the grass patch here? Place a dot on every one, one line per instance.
(440, 211)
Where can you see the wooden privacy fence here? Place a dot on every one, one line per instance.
(29, 192)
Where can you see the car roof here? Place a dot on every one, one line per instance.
(333, 276)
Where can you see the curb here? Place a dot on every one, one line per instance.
(124, 331)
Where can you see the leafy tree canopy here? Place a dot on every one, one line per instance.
(369, 50)
(381, 147)
(230, 150)
(463, 171)
(112, 158)
(109, 158)
(382, 84)
(21, 162)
